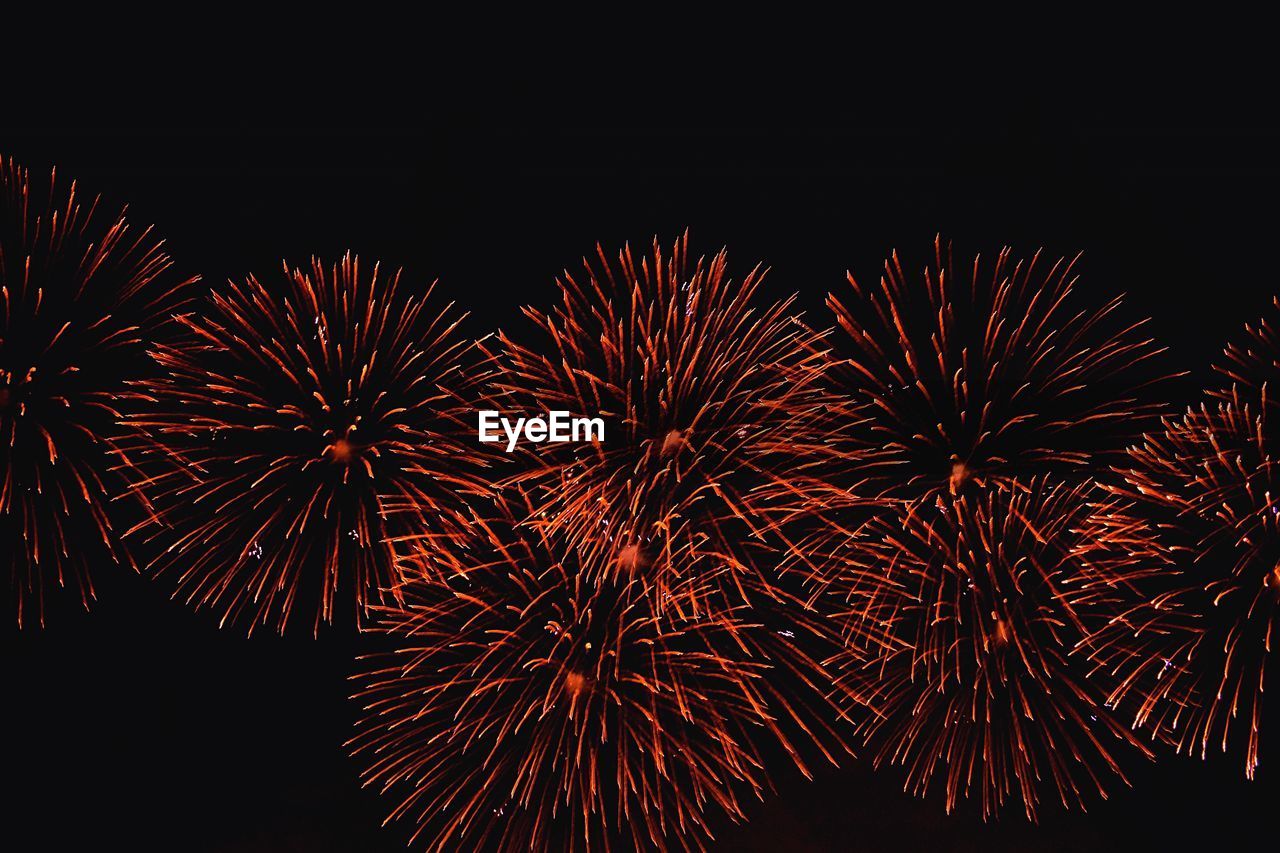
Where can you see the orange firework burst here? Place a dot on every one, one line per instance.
(710, 404)
(293, 407)
(987, 596)
(80, 296)
(980, 381)
(1190, 654)
(533, 703)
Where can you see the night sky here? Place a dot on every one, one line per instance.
(141, 726)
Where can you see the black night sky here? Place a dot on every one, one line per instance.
(141, 726)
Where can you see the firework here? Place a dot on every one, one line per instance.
(988, 595)
(1251, 364)
(296, 404)
(711, 403)
(978, 380)
(81, 293)
(533, 703)
(1189, 655)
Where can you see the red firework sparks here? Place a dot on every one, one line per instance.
(711, 402)
(532, 703)
(1190, 654)
(1253, 363)
(297, 403)
(988, 596)
(979, 380)
(81, 294)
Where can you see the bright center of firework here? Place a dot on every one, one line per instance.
(342, 451)
(630, 557)
(1003, 632)
(574, 682)
(959, 476)
(673, 442)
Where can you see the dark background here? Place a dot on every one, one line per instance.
(141, 726)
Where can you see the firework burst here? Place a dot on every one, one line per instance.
(533, 703)
(711, 404)
(294, 406)
(1189, 656)
(987, 596)
(81, 294)
(978, 380)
